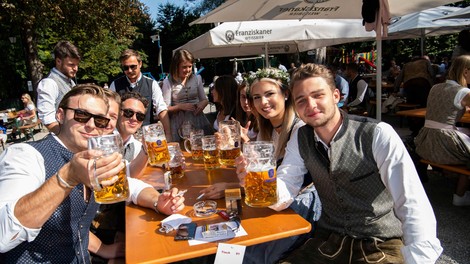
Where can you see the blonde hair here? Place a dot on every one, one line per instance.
(457, 69)
(28, 97)
(264, 125)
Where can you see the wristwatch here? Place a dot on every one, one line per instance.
(155, 204)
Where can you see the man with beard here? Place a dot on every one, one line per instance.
(374, 208)
(59, 81)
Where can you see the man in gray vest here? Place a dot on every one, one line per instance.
(134, 81)
(374, 208)
(59, 81)
(45, 206)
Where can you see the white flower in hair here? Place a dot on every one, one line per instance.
(271, 73)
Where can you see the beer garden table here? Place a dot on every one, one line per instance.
(145, 244)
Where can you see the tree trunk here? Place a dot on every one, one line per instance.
(33, 65)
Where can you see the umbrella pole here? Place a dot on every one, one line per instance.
(266, 54)
(378, 78)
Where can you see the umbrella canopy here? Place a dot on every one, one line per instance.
(423, 24)
(462, 13)
(233, 39)
(246, 10)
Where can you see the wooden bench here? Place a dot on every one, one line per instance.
(459, 169)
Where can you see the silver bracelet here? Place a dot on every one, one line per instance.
(155, 204)
(64, 183)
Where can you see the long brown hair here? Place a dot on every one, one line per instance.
(457, 69)
(179, 57)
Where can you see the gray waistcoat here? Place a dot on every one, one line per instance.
(64, 236)
(355, 201)
(64, 86)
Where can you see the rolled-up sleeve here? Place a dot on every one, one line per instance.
(157, 98)
(21, 172)
(135, 187)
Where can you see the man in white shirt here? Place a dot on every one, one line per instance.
(59, 81)
(134, 81)
(374, 208)
(45, 207)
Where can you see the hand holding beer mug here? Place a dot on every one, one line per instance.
(195, 143)
(210, 152)
(260, 181)
(230, 144)
(119, 190)
(155, 141)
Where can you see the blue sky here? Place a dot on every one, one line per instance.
(153, 5)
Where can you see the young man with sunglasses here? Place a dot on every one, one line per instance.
(134, 81)
(46, 207)
(59, 81)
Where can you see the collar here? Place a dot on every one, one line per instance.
(134, 84)
(56, 71)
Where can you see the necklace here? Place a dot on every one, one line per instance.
(276, 127)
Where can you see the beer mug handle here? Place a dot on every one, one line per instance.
(187, 145)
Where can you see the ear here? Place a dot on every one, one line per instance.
(336, 95)
(60, 115)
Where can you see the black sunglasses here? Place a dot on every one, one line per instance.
(129, 113)
(126, 67)
(83, 116)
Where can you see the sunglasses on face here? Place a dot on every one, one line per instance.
(129, 113)
(83, 116)
(126, 67)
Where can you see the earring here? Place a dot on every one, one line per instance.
(285, 98)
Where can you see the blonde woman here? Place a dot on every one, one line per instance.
(183, 92)
(26, 116)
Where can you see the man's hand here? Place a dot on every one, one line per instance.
(169, 202)
(240, 164)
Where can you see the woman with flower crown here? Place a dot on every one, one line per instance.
(273, 107)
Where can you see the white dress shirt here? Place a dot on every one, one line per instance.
(398, 173)
(22, 171)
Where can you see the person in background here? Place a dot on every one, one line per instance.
(358, 97)
(374, 207)
(393, 71)
(463, 46)
(417, 77)
(184, 94)
(135, 81)
(26, 116)
(59, 81)
(225, 98)
(342, 85)
(245, 115)
(440, 140)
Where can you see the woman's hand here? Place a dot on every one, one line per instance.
(186, 107)
(240, 164)
(199, 107)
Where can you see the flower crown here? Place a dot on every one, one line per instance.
(271, 73)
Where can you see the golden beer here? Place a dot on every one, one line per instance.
(227, 156)
(261, 188)
(158, 152)
(117, 192)
(177, 171)
(211, 159)
(196, 154)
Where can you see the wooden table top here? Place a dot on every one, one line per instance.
(421, 112)
(145, 244)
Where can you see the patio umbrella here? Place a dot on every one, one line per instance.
(462, 13)
(423, 24)
(231, 39)
(245, 10)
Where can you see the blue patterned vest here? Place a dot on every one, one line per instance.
(144, 87)
(64, 236)
(354, 199)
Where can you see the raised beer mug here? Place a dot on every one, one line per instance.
(118, 191)
(210, 152)
(157, 146)
(261, 180)
(229, 147)
(193, 145)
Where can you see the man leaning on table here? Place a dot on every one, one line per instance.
(45, 208)
(374, 208)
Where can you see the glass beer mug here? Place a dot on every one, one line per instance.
(185, 129)
(118, 191)
(261, 180)
(210, 152)
(176, 164)
(157, 146)
(193, 145)
(229, 147)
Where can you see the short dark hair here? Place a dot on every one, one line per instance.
(64, 49)
(126, 54)
(83, 89)
(136, 96)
